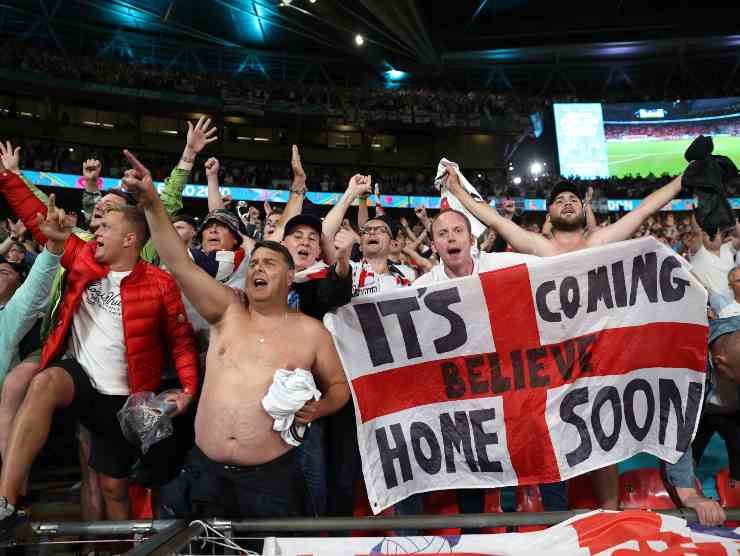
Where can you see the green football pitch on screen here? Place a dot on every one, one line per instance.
(644, 157)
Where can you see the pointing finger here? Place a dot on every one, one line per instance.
(138, 166)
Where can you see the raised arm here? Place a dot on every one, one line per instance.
(215, 201)
(358, 186)
(209, 298)
(589, 211)
(21, 312)
(363, 213)
(625, 227)
(521, 240)
(298, 192)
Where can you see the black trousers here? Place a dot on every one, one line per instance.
(728, 427)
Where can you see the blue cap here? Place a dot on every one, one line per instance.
(720, 327)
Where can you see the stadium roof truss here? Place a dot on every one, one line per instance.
(535, 48)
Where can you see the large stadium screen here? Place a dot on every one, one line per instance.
(639, 139)
(651, 138)
(581, 142)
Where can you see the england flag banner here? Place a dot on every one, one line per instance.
(529, 374)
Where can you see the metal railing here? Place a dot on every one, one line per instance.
(173, 536)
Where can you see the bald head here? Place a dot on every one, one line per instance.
(725, 352)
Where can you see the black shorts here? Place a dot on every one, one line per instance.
(110, 453)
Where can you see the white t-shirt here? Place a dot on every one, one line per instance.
(712, 270)
(482, 263)
(365, 281)
(97, 341)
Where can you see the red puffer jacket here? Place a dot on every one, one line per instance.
(151, 304)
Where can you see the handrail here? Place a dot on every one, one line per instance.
(338, 524)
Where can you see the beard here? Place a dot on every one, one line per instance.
(561, 224)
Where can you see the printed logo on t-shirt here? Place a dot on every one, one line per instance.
(108, 301)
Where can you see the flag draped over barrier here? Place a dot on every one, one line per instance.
(602, 533)
(528, 374)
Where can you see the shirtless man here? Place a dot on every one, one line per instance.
(568, 220)
(240, 466)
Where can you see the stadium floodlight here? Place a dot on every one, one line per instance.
(312, 1)
(535, 168)
(359, 40)
(517, 180)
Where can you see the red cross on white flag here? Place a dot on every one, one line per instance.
(529, 374)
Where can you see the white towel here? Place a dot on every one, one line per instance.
(288, 393)
(440, 182)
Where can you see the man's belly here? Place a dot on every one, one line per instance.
(237, 432)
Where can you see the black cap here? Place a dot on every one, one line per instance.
(303, 220)
(226, 218)
(20, 268)
(562, 187)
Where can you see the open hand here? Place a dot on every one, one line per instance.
(17, 229)
(138, 181)
(299, 174)
(10, 157)
(200, 135)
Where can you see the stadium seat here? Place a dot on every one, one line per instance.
(141, 502)
(581, 494)
(529, 499)
(644, 489)
(445, 503)
(362, 509)
(492, 504)
(729, 493)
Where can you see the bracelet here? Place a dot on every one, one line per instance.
(188, 160)
(299, 191)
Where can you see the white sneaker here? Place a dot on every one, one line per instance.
(8, 516)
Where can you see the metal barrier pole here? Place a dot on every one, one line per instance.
(467, 521)
(75, 528)
(158, 540)
(292, 525)
(170, 541)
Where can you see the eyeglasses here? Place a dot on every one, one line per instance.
(374, 230)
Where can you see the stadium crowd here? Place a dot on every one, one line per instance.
(142, 296)
(50, 156)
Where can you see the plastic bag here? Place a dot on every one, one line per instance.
(146, 419)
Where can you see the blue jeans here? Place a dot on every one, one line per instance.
(312, 461)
